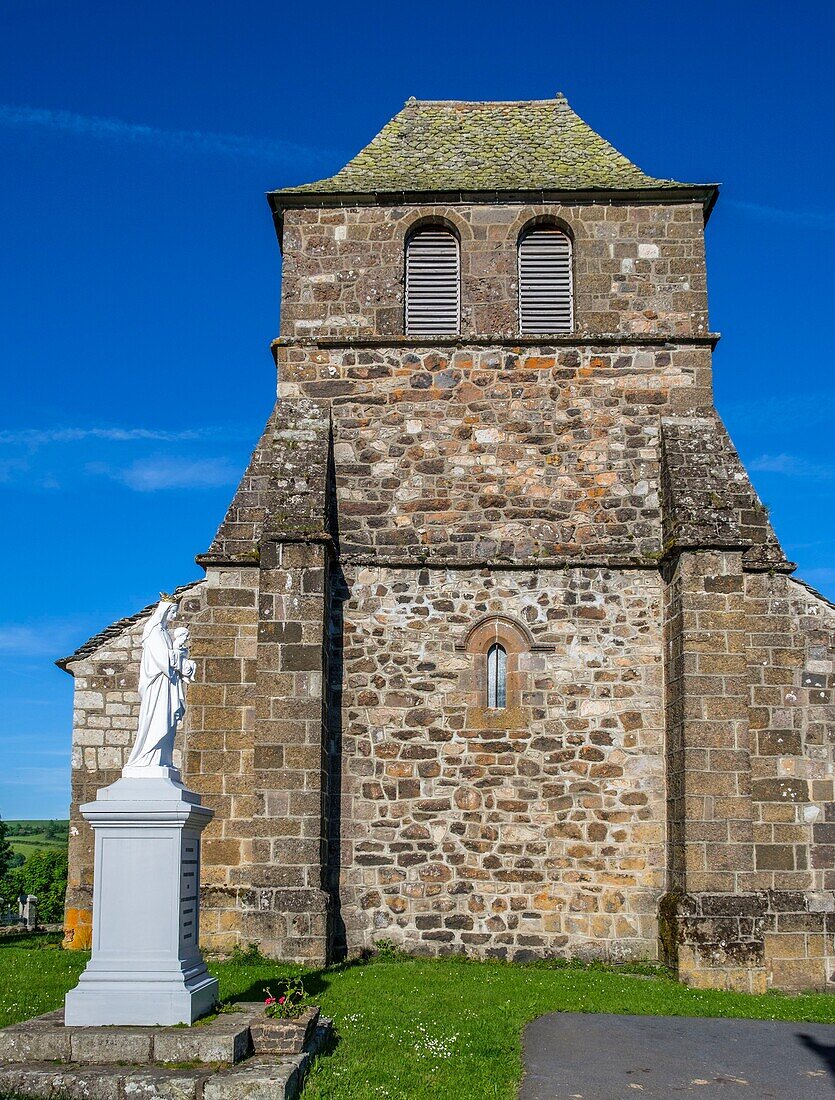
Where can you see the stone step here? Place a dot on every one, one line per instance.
(261, 1077)
(46, 1039)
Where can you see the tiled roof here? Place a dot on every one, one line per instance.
(458, 146)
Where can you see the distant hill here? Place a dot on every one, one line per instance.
(31, 836)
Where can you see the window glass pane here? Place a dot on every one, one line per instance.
(496, 677)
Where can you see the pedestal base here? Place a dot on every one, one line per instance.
(105, 999)
(146, 967)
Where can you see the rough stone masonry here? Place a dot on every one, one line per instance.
(659, 780)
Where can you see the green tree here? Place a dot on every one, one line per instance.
(44, 874)
(6, 853)
(55, 830)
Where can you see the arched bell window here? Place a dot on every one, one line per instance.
(496, 677)
(545, 291)
(433, 278)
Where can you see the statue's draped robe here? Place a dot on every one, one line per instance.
(161, 700)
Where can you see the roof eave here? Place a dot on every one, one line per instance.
(705, 194)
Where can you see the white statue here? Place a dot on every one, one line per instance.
(164, 670)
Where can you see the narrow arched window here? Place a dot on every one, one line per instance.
(545, 290)
(432, 282)
(496, 676)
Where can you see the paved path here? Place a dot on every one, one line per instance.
(573, 1056)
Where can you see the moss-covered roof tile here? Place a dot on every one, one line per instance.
(457, 146)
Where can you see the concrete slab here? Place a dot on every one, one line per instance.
(101, 1082)
(161, 1084)
(572, 1056)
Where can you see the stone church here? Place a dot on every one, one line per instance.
(497, 650)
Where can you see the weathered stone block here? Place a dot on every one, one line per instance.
(161, 1084)
(256, 1081)
(223, 1040)
(53, 1081)
(35, 1041)
(103, 1045)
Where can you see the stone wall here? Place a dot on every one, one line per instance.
(709, 766)
(498, 453)
(287, 905)
(538, 829)
(636, 268)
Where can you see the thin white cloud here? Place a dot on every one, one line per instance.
(117, 129)
(41, 437)
(37, 744)
(41, 638)
(12, 468)
(819, 218)
(791, 466)
(43, 780)
(149, 475)
(22, 641)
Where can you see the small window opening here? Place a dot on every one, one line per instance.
(496, 677)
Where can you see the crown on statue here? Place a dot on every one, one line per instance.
(165, 597)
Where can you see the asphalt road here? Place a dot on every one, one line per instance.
(574, 1056)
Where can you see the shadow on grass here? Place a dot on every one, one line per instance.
(315, 982)
(35, 941)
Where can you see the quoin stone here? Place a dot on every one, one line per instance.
(496, 650)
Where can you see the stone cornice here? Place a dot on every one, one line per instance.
(486, 340)
(705, 195)
(652, 562)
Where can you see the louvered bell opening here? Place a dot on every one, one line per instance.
(432, 282)
(545, 282)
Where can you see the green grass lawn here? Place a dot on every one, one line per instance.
(418, 1028)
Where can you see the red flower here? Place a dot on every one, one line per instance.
(281, 1000)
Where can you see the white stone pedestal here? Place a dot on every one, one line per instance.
(146, 966)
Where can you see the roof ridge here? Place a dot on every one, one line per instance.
(558, 98)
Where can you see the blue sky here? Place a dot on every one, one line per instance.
(140, 271)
